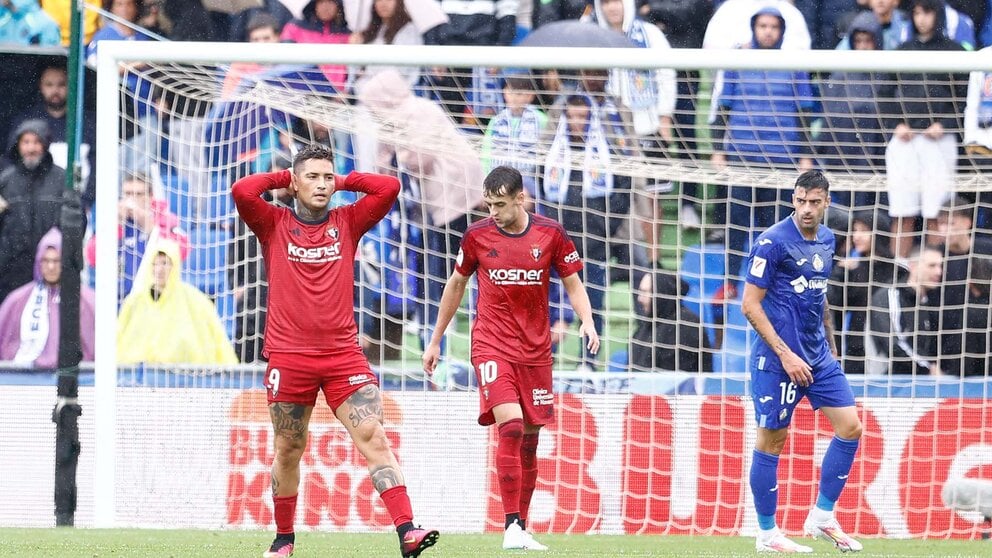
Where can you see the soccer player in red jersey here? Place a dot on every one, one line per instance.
(311, 340)
(513, 252)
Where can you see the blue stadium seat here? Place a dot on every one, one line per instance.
(704, 268)
(734, 356)
(181, 201)
(206, 264)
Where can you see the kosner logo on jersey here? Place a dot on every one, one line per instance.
(516, 276)
(319, 254)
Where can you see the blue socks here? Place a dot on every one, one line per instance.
(836, 467)
(764, 487)
(835, 470)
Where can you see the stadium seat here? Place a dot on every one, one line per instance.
(206, 265)
(736, 341)
(181, 200)
(704, 268)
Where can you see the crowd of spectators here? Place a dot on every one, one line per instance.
(898, 244)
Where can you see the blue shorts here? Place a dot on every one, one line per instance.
(775, 396)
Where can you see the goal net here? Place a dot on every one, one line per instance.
(654, 435)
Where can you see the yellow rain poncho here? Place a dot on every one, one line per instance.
(182, 326)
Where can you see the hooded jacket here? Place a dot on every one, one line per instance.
(728, 28)
(764, 110)
(926, 98)
(180, 326)
(853, 104)
(670, 337)
(24, 22)
(431, 148)
(646, 118)
(312, 30)
(903, 331)
(34, 198)
(16, 310)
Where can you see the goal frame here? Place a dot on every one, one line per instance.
(113, 53)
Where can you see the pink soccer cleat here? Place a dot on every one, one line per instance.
(831, 532)
(776, 541)
(417, 540)
(279, 549)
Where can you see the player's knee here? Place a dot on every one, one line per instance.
(851, 430)
(289, 449)
(372, 439)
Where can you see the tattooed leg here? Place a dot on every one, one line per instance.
(290, 423)
(361, 414)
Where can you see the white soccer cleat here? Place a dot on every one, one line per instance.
(831, 532)
(776, 541)
(515, 538)
(533, 544)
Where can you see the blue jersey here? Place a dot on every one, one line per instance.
(794, 271)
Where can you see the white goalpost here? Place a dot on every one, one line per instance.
(636, 450)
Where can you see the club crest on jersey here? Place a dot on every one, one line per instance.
(536, 252)
(333, 232)
(817, 263)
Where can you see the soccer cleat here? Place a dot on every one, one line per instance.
(533, 544)
(776, 541)
(417, 540)
(515, 538)
(279, 549)
(831, 532)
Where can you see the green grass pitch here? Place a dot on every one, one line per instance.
(136, 543)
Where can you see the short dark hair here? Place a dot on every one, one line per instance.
(503, 181)
(578, 100)
(959, 206)
(108, 6)
(520, 82)
(261, 20)
(312, 151)
(137, 176)
(813, 180)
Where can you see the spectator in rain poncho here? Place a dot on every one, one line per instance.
(29, 316)
(167, 321)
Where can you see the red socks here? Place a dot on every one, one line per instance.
(528, 465)
(508, 472)
(285, 512)
(398, 504)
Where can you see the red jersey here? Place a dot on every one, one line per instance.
(514, 274)
(310, 266)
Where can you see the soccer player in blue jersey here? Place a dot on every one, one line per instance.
(795, 357)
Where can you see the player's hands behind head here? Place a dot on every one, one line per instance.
(588, 330)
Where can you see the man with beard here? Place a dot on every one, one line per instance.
(30, 202)
(52, 110)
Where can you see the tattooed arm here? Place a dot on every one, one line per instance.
(798, 370)
(828, 328)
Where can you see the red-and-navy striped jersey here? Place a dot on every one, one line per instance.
(310, 265)
(513, 277)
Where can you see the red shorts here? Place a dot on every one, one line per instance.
(295, 378)
(502, 381)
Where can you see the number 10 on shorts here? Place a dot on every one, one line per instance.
(487, 372)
